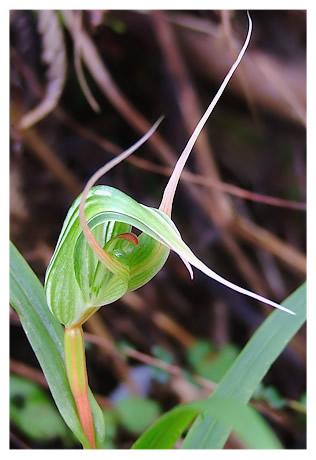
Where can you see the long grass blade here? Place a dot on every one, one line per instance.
(250, 427)
(249, 368)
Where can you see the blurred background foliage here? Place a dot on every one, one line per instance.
(173, 340)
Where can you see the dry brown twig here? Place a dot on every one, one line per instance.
(186, 176)
(47, 155)
(54, 55)
(98, 329)
(161, 320)
(37, 376)
(77, 59)
(152, 361)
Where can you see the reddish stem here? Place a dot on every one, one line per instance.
(78, 380)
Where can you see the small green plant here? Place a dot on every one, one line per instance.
(97, 260)
(240, 382)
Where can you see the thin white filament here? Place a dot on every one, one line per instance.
(198, 264)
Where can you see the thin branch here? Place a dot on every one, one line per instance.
(97, 327)
(186, 176)
(23, 370)
(78, 65)
(248, 230)
(151, 361)
(160, 319)
(49, 157)
(37, 376)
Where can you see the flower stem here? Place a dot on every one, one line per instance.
(78, 380)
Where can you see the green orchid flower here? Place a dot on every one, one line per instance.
(98, 259)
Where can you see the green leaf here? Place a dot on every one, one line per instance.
(246, 421)
(45, 335)
(34, 413)
(249, 368)
(169, 427)
(136, 413)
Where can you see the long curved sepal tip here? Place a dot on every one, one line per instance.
(170, 190)
(210, 273)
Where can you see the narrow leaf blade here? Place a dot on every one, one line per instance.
(245, 420)
(45, 335)
(249, 368)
